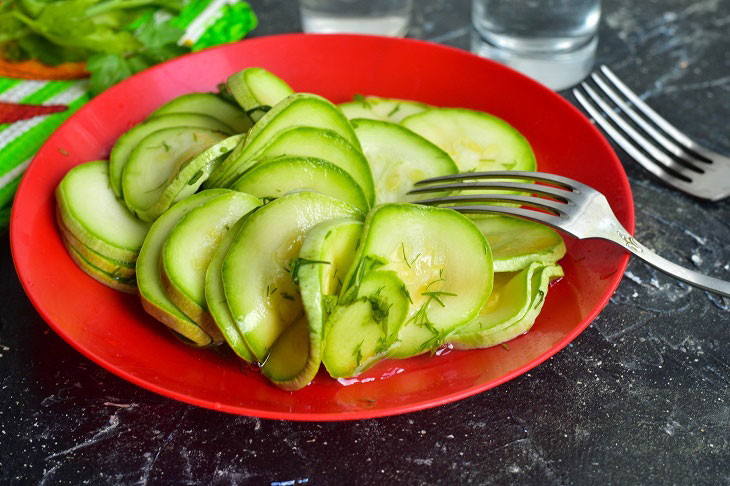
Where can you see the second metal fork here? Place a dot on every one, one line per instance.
(566, 204)
(653, 142)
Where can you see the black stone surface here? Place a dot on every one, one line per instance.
(641, 397)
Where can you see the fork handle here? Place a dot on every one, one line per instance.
(711, 284)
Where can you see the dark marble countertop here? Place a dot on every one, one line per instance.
(641, 397)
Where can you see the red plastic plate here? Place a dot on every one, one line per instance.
(112, 329)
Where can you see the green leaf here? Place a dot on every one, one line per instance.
(155, 35)
(106, 70)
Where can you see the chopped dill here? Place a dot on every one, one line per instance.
(365, 103)
(270, 291)
(437, 294)
(357, 353)
(196, 177)
(297, 263)
(405, 258)
(394, 110)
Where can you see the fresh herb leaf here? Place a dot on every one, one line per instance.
(437, 294)
(357, 353)
(365, 103)
(106, 70)
(297, 263)
(405, 258)
(196, 177)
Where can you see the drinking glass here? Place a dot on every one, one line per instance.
(379, 17)
(552, 41)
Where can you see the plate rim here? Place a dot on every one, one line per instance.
(328, 416)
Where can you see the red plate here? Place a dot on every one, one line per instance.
(112, 329)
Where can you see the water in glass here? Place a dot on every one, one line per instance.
(553, 41)
(379, 17)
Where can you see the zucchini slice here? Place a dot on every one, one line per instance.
(207, 104)
(256, 275)
(192, 175)
(215, 297)
(128, 141)
(190, 246)
(257, 90)
(289, 355)
(126, 285)
(398, 158)
(155, 163)
(149, 282)
(276, 177)
(115, 268)
(516, 243)
(384, 109)
(512, 308)
(319, 143)
(476, 141)
(326, 255)
(441, 257)
(301, 109)
(361, 331)
(95, 216)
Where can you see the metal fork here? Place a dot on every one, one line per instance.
(653, 142)
(565, 204)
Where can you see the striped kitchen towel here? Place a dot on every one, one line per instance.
(21, 138)
(30, 110)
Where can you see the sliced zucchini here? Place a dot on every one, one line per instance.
(215, 297)
(95, 216)
(257, 90)
(155, 163)
(444, 261)
(207, 104)
(151, 291)
(127, 142)
(516, 243)
(190, 246)
(512, 308)
(289, 356)
(398, 158)
(123, 284)
(116, 268)
(256, 275)
(319, 143)
(301, 109)
(326, 255)
(475, 140)
(192, 174)
(385, 109)
(361, 331)
(278, 176)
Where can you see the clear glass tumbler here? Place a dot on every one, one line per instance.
(379, 17)
(552, 41)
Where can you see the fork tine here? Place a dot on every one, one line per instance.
(636, 154)
(517, 186)
(510, 174)
(649, 112)
(537, 202)
(528, 214)
(638, 138)
(669, 145)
